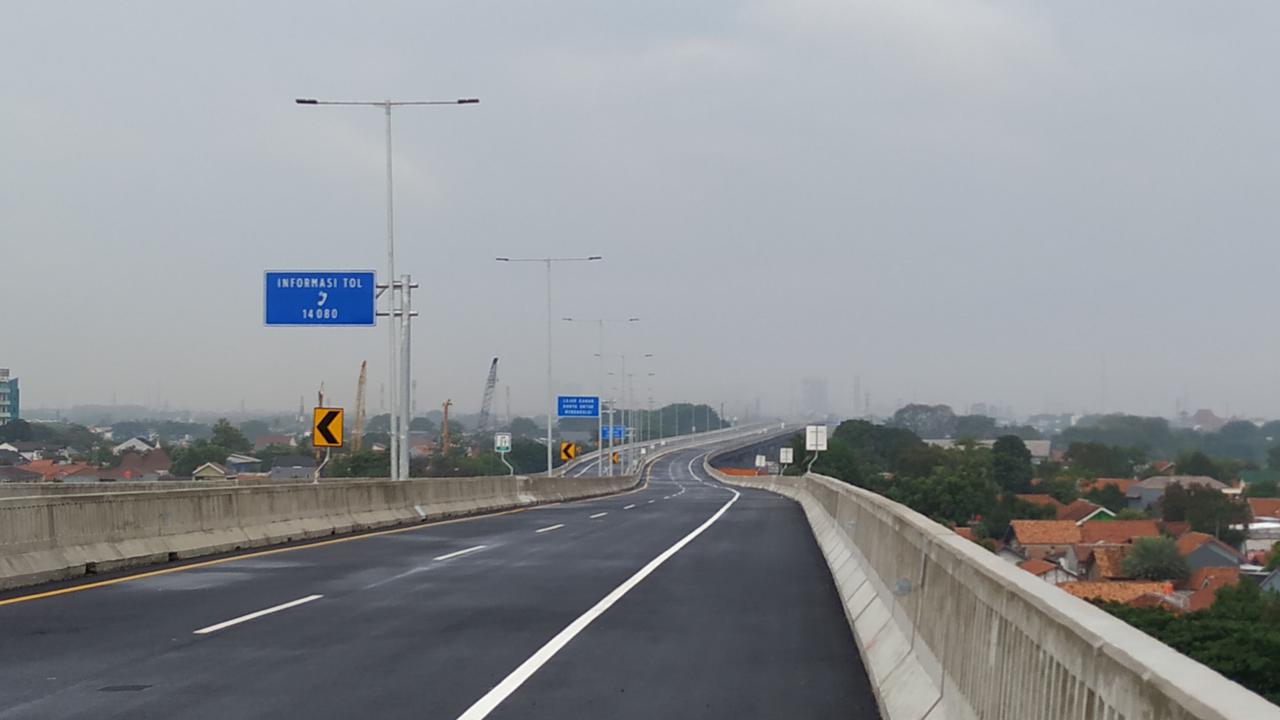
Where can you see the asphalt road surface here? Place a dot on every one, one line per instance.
(684, 599)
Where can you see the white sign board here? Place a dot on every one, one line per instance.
(502, 442)
(761, 460)
(815, 437)
(784, 456)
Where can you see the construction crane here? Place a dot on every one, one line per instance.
(444, 428)
(357, 431)
(486, 405)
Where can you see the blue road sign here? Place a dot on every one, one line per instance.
(618, 432)
(584, 406)
(320, 297)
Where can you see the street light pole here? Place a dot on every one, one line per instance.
(551, 399)
(600, 419)
(398, 332)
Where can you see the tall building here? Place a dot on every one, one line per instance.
(9, 408)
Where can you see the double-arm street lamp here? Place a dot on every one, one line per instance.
(399, 332)
(551, 399)
(600, 460)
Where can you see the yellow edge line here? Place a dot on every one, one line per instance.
(274, 551)
(246, 556)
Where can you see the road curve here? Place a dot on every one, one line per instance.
(685, 598)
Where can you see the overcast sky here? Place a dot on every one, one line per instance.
(1067, 206)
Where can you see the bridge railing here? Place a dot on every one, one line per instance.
(946, 629)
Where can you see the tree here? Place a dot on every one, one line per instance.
(1062, 489)
(229, 436)
(1273, 557)
(1206, 510)
(926, 421)
(422, 424)
(1273, 458)
(953, 493)
(523, 427)
(184, 461)
(1155, 559)
(15, 431)
(1264, 489)
(1131, 514)
(995, 520)
(1109, 496)
(1097, 459)
(1011, 464)
(364, 463)
(1197, 463)
(978, 427)
(253, 429)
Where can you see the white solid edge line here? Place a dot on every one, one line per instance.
(255, 615)
(549, 528)
(500, 692)
(649, 503)
(462, 552)
(629, 507)
(598, 515)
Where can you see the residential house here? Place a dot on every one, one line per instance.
(1271, 582)
(238, 463)
(210, 471)
(1046, 571)
(293, 467)
(1040, 539)
(1041, 500)
(139, 467)
(1117, 592)
(1265, 508)
(11, 474)
(31, 451)
(1121, 484)
(1116, 532)
(1106, 563)
(1082, 511)
(1148, 492)
(11, 457)
(265, 441)
(1039, 449)
(1201, 588)
(136, 444)
(1174, 528)
(51, 471)
(1205, 551)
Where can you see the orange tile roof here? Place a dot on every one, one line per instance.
(1204, 584)
(1045, 532)
(1265, 507)
(1109, 560)
(1176, 528)
(1123, 483)
(1040, 499)
(1077, 510)
(1037, 567)
(966, 533)
(1118, 531)
(1121, 592)
(1191, 541)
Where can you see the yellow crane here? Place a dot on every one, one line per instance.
(357, 432)
(444, 428)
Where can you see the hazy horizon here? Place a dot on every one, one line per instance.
(1056, 208)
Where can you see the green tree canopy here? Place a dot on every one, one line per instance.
(1155, 559)
(1207, 510)
(524, 427)
(926, 421)
(1011, 464)
(1095, 459)
(229, 436)
(1109, 496)
(1198, 463)
(1273, 458)
(184, 461)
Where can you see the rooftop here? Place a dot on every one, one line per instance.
(1118, 531)
(1045, 532)
(1119, 592)
(1265, 507)
(1037, 567)
(1162, 482)
(1109, 559)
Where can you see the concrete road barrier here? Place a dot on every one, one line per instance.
(44, 538)
(947, 630)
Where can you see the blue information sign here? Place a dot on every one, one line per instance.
(585, 406)
(320, 297)
(618, 432)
